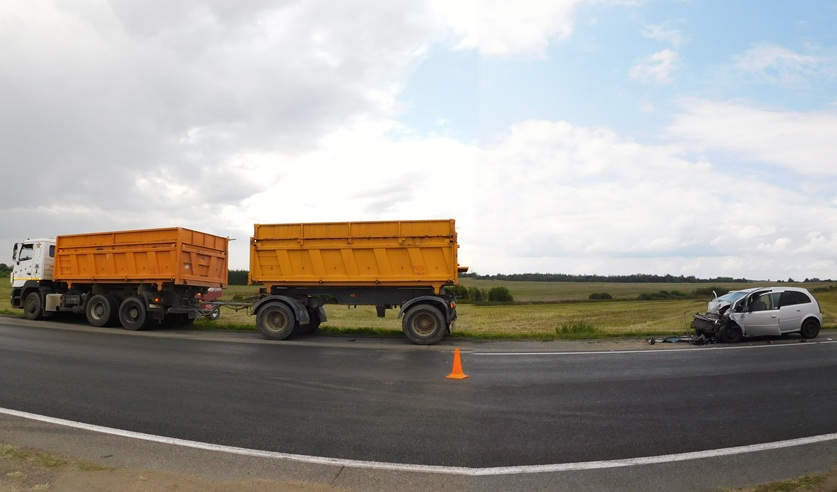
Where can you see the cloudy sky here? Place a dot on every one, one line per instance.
(566, 136)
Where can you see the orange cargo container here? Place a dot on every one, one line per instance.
(394, 253)
(384, 264)
(154, 256)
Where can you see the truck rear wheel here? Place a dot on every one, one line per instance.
(99, 310)
(276, 321)
(132, 314)
(424, 325)
(32, 306)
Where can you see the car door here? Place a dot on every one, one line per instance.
(792, 306)
(760, 315)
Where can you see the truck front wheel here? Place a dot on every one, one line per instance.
(32, 306)
(424, 325)
(132, 314)
(276, 321)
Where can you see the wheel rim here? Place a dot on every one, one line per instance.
(276, 321)
(809, 330)
(97, 310)
(424, 325)
(31, 306)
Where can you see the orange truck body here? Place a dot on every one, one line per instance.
(167, 256)
(410, 254)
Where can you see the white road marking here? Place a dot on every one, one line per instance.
(448, 470)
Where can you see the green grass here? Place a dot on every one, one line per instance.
(45, 460)
(542, 311)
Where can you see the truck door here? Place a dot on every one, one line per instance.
(32, 261)
(24, 265)
(760, 316)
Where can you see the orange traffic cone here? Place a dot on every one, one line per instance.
(457, 367)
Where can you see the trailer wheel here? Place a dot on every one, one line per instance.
(133, 315)
(424, 325)
(32, 306)
(276, 321)
(311, 327)
(99, 310)
(731, 333)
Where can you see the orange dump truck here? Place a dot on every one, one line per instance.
(385, 264)
(132, 278)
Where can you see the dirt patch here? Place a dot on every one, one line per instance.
(23, 469)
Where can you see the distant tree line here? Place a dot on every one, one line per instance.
(238, 277)
(636, 278)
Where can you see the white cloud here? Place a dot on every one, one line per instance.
(215, 117)
(800, 141)
(662, 33)
(776, 65)
(656, 68)
(502, 28)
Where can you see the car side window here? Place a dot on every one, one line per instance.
(791, 297)
(773, 300)
(760, 302)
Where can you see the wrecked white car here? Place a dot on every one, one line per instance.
(761, 311)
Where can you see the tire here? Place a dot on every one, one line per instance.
(114, 311)
(99, 310)
(32, 308)
(276, 321)
(810, 328)
(731, 334)
(424, 325)
(133, 315)
(311, 327)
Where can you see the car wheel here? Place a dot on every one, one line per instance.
(810, 328)
(731, 333)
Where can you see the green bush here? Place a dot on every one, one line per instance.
(582, 327)
(661, 295)
(460, 291)
(600, 296)
(477, 295)
(500, 294)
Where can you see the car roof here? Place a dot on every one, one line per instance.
(773, 287)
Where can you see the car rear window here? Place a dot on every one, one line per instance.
(792, 297)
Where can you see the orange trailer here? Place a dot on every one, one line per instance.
(373, 254)
(383, 263)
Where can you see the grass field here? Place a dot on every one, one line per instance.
(542, 310)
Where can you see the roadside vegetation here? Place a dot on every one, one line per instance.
(534, 310)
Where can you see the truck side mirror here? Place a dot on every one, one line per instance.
(14, 252)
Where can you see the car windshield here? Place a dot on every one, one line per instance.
(731, 297)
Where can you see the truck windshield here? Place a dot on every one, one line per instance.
(25, 252)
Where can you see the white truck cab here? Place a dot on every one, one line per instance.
(32, 260)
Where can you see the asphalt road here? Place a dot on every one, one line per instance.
(390, 401)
